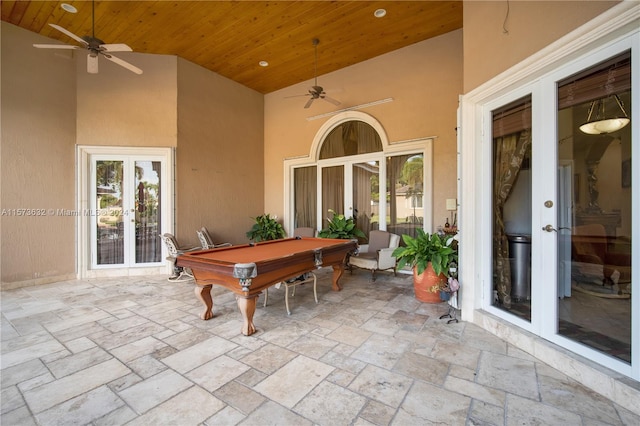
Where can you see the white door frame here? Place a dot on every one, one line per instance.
(85, 155)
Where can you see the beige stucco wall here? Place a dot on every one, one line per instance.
(119, 108)
(424, 80)
(529, 25)
(37, 159)
(50, 104)
(219, 156)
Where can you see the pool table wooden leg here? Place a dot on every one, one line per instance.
(203, 292)
(337, 273)
(247, 306)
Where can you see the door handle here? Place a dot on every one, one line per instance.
(549, 228)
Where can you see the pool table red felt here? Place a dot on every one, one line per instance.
(267, 263)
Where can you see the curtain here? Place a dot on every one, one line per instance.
(332, 191)
(350, 138)
(510, 150)
(363, 195)
(305, 197)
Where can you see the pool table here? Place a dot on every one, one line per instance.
(249, 269)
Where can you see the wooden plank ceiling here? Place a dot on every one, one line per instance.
(232, 37)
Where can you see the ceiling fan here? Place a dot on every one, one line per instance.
(95, 46)
(315, 91)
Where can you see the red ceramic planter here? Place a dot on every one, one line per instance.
(423, 283)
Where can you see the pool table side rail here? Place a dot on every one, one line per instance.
(269, 272)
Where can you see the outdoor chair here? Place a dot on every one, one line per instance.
(174, 249)
(377, 255)
(302, 279)
(206, 241)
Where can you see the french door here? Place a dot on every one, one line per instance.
(125, 225)
(562, 208)
(127, 208)
(352, 188)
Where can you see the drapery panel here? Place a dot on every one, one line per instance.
(509, 152)
(305, 199)
(332, 191)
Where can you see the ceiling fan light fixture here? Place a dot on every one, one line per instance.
(68, 8)
(601, 124)
(92, 63)
(380, 13)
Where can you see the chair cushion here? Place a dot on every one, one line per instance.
(378, 240)
(364, 262)
(368, 255)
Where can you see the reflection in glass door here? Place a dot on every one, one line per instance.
(126, 213)
(595, 210)
(109, 213)
(366, 195)
(511, 219)
(147, 211)
(405, 193)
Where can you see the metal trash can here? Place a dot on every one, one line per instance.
(520, 260)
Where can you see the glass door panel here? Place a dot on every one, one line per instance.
(595, 209)
(511, 201)
(332, 192)
(147, 192)
(109, 217)
(405, 194)
(304, 197)
(366, 195)
(127, 206)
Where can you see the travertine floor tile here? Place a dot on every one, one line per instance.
(294, 380)
(82, 409)
(133, 350)
(381, 385)
(156, 389)
(198, 354)
(190, 407)
(48, 395)
(511, 375)
(217, 372)
(330, 404)
(428, 404)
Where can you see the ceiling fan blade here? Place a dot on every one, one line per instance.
(92, 63)
(297, 96)
(70, 34)
(330, 100)
(309, 102)
(55, 46)
(123, 63)
(118, 47)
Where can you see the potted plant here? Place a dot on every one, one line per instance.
(265, 228)
(341, 227)
(429, 255)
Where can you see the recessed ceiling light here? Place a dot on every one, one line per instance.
(263, 63)
(379, 13)
(69, 8)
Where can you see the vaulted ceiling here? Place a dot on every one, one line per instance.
(232, 37)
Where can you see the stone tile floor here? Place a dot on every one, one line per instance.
(133, 351)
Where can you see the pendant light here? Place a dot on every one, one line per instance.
(600, 123)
